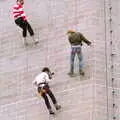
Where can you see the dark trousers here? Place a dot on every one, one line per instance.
(25, 26)
(45, 97)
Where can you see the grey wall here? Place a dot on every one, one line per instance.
(87, 98)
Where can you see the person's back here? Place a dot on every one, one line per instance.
(74, 39)
(42, 78)
(18, 10)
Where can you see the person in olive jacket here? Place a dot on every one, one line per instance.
(76, 40)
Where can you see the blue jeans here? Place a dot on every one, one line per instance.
(76, 50)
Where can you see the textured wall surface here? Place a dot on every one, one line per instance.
(86, 98)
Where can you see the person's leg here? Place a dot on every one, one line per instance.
(72, 57)
(29, 28)
(49, 92)
(22, 24)
(47, 103)
(80, 57)
(31, 32)
(25, 34)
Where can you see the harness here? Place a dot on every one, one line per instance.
(76, 46)
(42, 88)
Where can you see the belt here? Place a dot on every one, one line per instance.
(75, 46)
(18, 17)
(42, 84)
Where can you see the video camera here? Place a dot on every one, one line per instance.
(50, 74)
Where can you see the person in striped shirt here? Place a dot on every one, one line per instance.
(21, 20)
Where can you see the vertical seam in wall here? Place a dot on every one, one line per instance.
(93, 79)
(106, 63)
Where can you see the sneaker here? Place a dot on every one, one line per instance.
(36, 42)
(58, 107)
(25, 42)
(51, 112)
(82, 72)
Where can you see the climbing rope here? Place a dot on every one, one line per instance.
(50, 18)
(47, 40)
(76, 13)
(106, 58)
(27, 55)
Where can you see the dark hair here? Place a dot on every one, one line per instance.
(18, 0)
(45, 69)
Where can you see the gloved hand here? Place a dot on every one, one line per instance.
(89, 43)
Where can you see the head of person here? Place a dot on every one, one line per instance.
(70, 32)
(46, 69)
(21, 1)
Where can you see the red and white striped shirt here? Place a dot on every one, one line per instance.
(18, 11)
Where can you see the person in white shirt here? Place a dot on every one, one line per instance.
(41, 81)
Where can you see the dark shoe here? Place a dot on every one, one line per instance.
(51, 112)
(36, 42)
(70, 73)
(82, 72)
(58, 107)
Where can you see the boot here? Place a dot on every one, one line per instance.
(35, 40)
(70, 73)
(58, 107)
(51, 112)
(81, 72)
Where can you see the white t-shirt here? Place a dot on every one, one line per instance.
(41, 78)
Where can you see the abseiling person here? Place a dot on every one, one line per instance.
(42, 83)
(21, 21)
(76, 40)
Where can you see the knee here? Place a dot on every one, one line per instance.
(44, 96)
(81, 58)
(72, 58)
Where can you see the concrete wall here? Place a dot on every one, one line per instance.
(87, 98)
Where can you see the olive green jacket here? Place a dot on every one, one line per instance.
(77, 38)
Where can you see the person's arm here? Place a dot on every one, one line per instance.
(34, 82)
(84, 39)
(46, 78)
(23, 15)
(70, 39)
